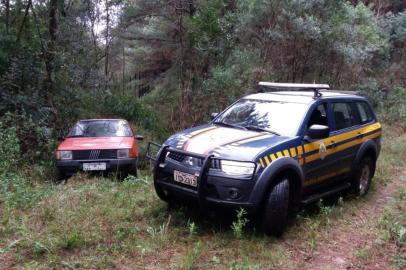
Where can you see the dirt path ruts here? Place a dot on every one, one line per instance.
(349, 236)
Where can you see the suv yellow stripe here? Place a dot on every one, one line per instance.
(267, 160)
(293, 152)
(315, 146)
(326, 176)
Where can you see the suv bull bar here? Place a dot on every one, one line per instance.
(159, 160)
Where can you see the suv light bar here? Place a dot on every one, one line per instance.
(295, 87)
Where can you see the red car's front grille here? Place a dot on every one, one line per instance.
(94, 154)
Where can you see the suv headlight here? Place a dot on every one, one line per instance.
(237, 167)
(192, 162)
(64, 155)
(123, 153)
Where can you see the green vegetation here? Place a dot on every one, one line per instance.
(154, 63)
(94, 222)
(240, 223)
(393, 224)
(166, 66)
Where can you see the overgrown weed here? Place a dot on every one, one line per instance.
(239, 225)
(190, 260)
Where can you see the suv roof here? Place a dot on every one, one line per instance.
(298, 97)
(298, 92)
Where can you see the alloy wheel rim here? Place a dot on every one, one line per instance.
(364, 179)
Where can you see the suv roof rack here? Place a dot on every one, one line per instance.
(294, 87)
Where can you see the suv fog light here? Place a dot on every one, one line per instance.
(233, 193)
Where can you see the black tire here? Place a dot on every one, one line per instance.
(276, 209)
(361, 181)
(163, 195)
(121, 176)
(60, 176)
(133, 170)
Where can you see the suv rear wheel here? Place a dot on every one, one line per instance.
(276, 209)
(363, 176)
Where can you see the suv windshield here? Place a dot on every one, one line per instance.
(101, 128)
(262, 115)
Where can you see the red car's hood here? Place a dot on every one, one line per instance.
(96, 143)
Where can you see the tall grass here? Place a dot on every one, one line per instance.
(94, 222)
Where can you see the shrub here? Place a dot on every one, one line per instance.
(15, 190)
(9, 147)
(239, 225)
(389, 103)
(34, 137)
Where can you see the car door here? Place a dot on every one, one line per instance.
(318, 160)
(345, 123)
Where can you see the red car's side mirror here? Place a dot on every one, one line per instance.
(139, 137)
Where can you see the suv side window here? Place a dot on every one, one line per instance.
(364, 112)
(318, 116)
(343, 114)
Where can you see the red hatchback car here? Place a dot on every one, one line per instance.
(106, 145)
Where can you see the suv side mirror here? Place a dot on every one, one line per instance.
(214, 115)
(318, 132)
(139, 137)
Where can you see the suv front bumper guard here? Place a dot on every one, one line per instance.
(201, 190)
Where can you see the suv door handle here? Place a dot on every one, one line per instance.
(333, 144)
(360, 136)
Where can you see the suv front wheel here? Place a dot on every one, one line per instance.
(276, 209)
(363, 176)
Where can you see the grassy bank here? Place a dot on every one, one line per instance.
(99, 223)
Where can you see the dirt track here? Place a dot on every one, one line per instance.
(344, 239)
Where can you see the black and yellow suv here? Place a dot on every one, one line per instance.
(288, 145)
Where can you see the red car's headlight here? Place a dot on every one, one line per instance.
(63, 155)
(123, 153)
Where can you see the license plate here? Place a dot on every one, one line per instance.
(185, 178)
(94, 166)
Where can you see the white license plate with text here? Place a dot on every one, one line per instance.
(101, 166)
(185, 178)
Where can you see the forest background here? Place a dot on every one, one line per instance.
(165, 65)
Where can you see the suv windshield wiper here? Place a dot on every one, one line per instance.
(229, 125)
(262, 129)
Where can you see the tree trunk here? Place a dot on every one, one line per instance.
(53, 20)
(123, 68)
(27, 9)
(50, 53)
(52, 30)
(106, 61)
(7, 6)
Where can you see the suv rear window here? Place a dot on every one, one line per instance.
(343, 115)
(364, 112)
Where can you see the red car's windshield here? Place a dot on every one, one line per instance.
(101, 128)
